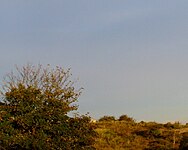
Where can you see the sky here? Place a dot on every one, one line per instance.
(130, 56)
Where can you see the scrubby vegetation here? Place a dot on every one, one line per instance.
(127, 134)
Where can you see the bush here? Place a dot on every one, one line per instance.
(126, 118)
(107, 118)
(184, 142)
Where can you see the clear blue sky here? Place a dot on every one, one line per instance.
(131, 56)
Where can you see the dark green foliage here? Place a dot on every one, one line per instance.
(33, 114)
(126, 118)
(184, 142)
(107, 118)
(175, 125)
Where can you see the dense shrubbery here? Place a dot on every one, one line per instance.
(184, 142)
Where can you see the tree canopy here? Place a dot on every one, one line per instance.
(34, 111)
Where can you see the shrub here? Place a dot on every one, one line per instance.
(107, 118)
(126, 118)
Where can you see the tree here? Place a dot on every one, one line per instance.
(34, 112)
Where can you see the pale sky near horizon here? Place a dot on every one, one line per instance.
(131, 56)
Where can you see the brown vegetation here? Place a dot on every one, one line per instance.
(126, 134)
